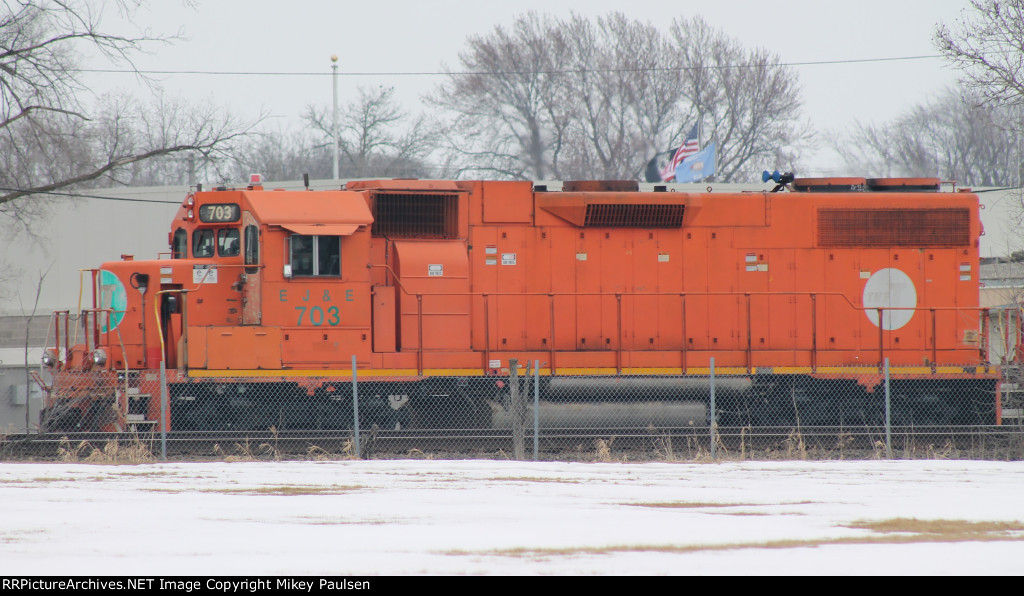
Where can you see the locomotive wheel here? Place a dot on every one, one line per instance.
(98, 416)
(386, 412)
(437, 407)
(64, 420)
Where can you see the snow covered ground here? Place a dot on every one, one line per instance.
(500, 517)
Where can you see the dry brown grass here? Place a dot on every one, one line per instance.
(316, 453)
(274, 491)
(289, 491)
(699, 504)
(247, 451)
(893, 531)
(533, 479)
(112, 452)
(677, 505)
(116, 453)
(938, 527)
(796, 448)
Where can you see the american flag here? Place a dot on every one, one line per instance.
(689, 147)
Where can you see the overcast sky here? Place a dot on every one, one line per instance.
(259, 36)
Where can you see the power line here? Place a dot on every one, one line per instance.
(494, 72)
(1005, 188)
(87, 196)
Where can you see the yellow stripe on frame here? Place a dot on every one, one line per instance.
(792, 370)
(721, 370)
(310, 373)
(476, 372)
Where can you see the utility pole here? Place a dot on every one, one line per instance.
(334, 126)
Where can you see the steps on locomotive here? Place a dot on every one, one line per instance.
(138, 409)
(1013, 403)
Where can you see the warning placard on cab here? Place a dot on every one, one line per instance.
(204, 274)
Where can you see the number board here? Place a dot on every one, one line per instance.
(219, 213)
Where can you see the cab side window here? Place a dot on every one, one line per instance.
(328, 255)
(228, 244)
(316, 255)
(179, 245)
(202, 244)
(252, 248)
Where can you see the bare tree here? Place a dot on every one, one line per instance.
(577, 98)
(987, 44)
(955, 137)
(376, 137)
(510, 117)
(284, 155)
(627, 100)
(51, 138)
(745, 100)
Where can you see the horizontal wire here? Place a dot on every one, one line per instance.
(29, 191)
(495, 72)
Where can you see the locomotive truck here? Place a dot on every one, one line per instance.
(797, 294)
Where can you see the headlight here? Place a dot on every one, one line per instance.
(49, 357)
(99, 357)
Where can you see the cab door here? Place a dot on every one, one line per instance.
(252, 306)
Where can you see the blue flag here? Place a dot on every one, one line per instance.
(698, 166)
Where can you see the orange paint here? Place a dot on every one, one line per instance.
(468, 273)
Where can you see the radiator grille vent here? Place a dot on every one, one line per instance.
(415, 215)
(634, 216)
(894, 227)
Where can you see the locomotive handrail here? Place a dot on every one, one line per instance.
(394, 275)
(982, 312)
(684, 294)
(85, 315)
(620, 293)
(67, 334)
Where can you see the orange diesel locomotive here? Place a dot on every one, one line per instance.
(432, 286)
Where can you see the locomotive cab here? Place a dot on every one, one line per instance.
(273, 275)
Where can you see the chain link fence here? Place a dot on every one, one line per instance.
(527, 414)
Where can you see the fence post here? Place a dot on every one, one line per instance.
(516, 407)
(888, 426)
(713, 426)
(163, 410)
(536, 410)
(355, 407)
